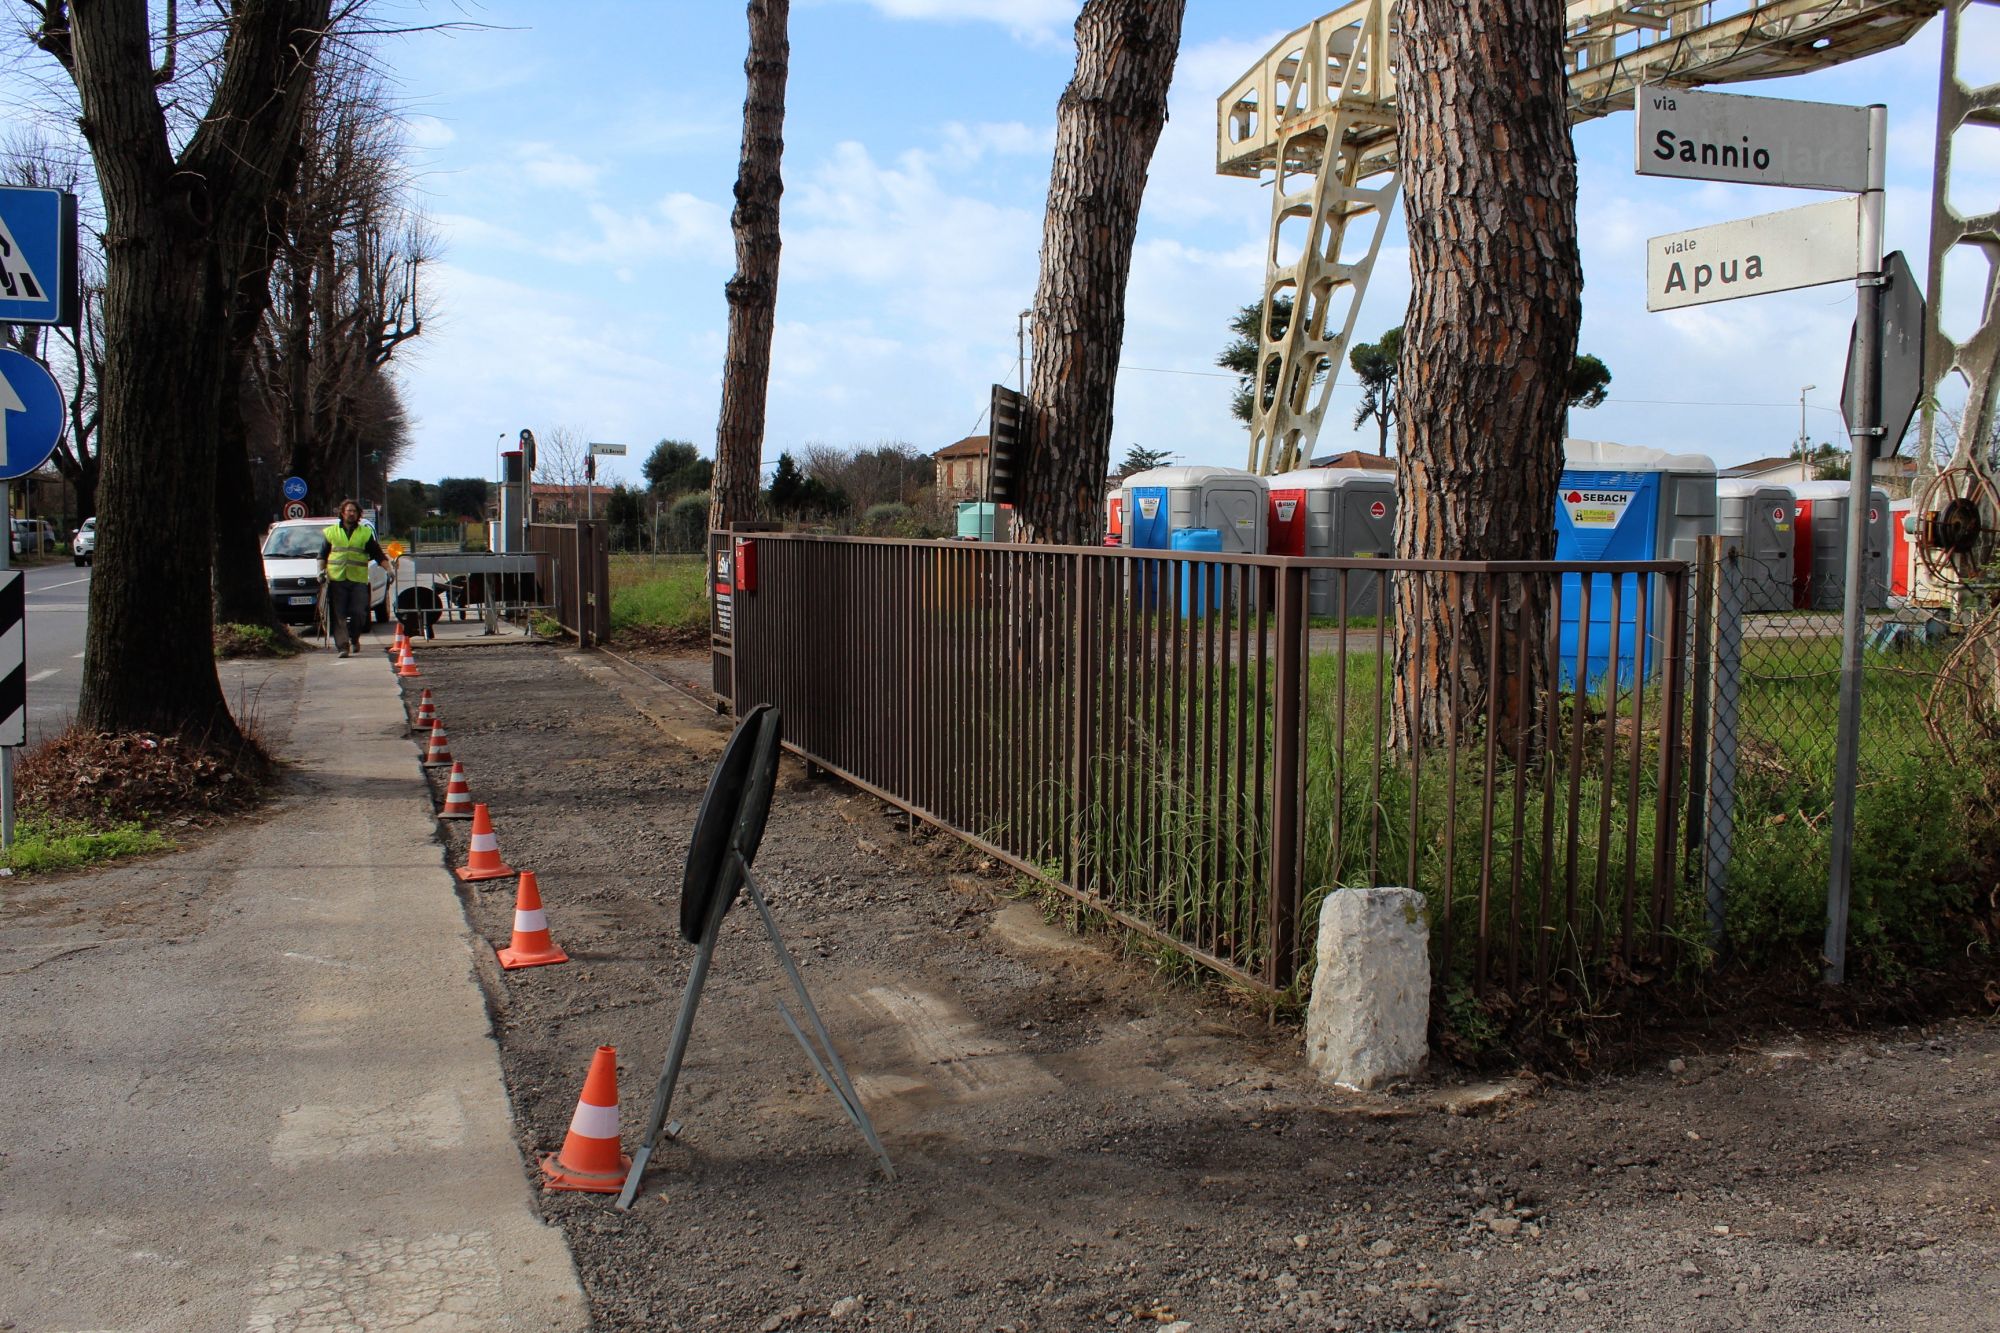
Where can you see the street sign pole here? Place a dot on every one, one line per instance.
(1864, 434)
(7, 751)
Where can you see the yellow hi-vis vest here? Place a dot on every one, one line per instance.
(349, 557)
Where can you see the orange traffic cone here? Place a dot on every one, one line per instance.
(590, 1160)
(457, 796)
(426, 713)
(532, 946)
(397, 642)
(438, 753)
(407, 666)
(484, 861)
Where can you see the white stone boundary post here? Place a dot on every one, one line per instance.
(1369, 1020)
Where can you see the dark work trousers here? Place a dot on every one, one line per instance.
(347, 611)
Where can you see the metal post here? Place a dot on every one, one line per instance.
(1725, 685)
(1863, 435)
(7, 751)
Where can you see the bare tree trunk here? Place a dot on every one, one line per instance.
(1489, 180)
(175, 236)
(1107, 124)
(753, 292)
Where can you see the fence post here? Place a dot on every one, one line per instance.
(1700, 613)
(1287, 775)
(1083, 674)
(1726, 684)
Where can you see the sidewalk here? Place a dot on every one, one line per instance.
(252, 1085)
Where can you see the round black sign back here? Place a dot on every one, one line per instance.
(732, 815)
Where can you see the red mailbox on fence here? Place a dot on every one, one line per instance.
(746, 564)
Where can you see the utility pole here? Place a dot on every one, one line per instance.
(1803, 391)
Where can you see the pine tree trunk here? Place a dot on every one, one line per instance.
(753, 292)
(1489, 182)
(1107, 124)
(176, 235)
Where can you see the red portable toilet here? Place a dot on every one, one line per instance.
(1343, 513)
(1285, 530)
(1114, 519)
(1819, 563)
(1902, 552)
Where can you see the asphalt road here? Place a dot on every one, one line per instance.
(57, 598)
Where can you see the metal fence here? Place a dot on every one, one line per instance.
(1202, 746)
(1767, 670)
(576, 577)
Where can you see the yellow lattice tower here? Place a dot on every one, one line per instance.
(1317, 117)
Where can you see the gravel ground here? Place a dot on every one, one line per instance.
(1081, 1144)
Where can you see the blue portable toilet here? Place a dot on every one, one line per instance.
(1201, 585)
(1625, 502)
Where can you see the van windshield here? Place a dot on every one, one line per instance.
(294, 543)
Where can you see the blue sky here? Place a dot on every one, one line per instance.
(578, 163)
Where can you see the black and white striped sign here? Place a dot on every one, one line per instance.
(13, 660)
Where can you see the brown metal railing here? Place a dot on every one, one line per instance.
(1201, 746)
(576, 576)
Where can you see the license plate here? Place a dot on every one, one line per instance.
(301, 601)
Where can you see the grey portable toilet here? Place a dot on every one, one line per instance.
(1161, 501)
(1625, 502)
(1335, 512)
(1820, 515)
(1756, 518)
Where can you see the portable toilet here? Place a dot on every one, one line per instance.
(1114, 516)
(1756, 517)
(1902, 550)
(1625, 502)
(1819, 560)
(982, 521)
(1335, 512)
(1162, 500)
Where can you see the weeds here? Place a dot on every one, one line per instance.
(236, 640)
(42, 844)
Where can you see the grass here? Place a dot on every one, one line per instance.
(42, 844)
(1164, 841)
(659, 595)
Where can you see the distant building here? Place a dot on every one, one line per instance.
(961, 469)
(1358, 459)
(1894, 475)
(550, 502)
(1784, 469)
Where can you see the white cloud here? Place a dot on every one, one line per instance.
(1039, 19)
(552, 169)
(429, 132)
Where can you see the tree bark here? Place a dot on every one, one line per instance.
(1107, 124)
(175, 235)
(1489, 181)
(753, 292)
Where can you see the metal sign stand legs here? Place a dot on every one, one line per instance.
(825, 1060)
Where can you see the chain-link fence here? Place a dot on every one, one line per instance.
(1768, 677)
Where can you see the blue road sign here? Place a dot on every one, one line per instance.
(31, 414)
(295, 488)
(37, 256)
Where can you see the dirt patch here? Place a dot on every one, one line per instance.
(1079, 1144)
(103, 778)
(669, 639)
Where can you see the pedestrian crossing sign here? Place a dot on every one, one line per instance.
(38, 283)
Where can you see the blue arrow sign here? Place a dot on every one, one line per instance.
(295, 488)
(31, 414)
(37, 256)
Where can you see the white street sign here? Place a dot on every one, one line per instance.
(1754, 140)
(608, 450)
(1774, 252)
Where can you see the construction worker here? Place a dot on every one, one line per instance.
(344, 554)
